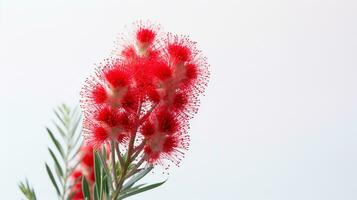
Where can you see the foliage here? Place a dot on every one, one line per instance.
(65, 153)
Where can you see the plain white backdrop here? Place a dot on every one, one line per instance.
(279, 119)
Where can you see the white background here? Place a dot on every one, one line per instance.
(279, 119)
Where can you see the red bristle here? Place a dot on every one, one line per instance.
(161, 70)
(170, 144)
(179, 53)
(179, 101)
(117, 77)
(153, 94)
(191, 71)
(129, 52)
(148, 129)
(99, 94)
(152, 156)
(129, 101)
(145, 35)
(108, 116)
(100, 135)
(76, 174)
(166, 122)
(88, 159)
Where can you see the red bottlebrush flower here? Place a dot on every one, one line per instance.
(117, 77)
(148, 129)
(160, 146)
(151, 154)
(161, 71)
(190, 74)
(153, 94)
(170, 144)
(166, 122)
(87, 156)
(100, 135)
(191, 71)
(179, 53)
(99, 94)
(88, 159)
(129, 53)
(145, 35)
(76, 192)
(109, 117)
(129, 101)
(75, 175)
(151, 85)
(179, 101)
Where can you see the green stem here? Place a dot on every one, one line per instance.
(121, 160)
(132, 151)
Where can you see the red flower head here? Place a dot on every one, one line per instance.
(85, 168)
(145, 36)
(165, 137)
(150, 87)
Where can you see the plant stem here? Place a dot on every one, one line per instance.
(66, 164)
(137, 165)
(138, 150)
(121, 161)
(131, 150)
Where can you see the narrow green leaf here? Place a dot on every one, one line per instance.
(128, 190)
(60, 130)
(75, 152)
(75, 141)
(75, 126)
(106, 190)
(85, 188)
(60, 118)
(140, 190)
(137, 177)
(57, 165)
(103, 163)
(49, 172)
(96, 194)
(27, 190)
(74, 112)
(55, 142)
(98, 173)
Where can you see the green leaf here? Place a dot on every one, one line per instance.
(60, 118)
(75, 152)
(57, 165)
(75, 126)
(60, 130)
(55, 142)
(140, 190)
(137, 177)
(75, 140)
(27, 190)
(74, 112)
(96, 194)
(106, 187)
(98, 168)
(103, 163)
(52, 179)
(85, 188)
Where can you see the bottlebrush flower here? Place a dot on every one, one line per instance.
(150, 87)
